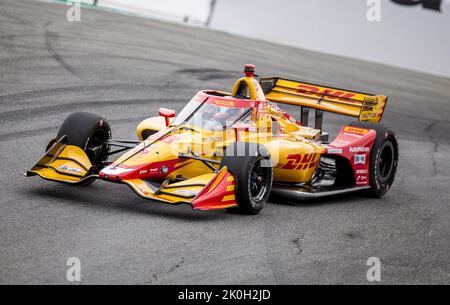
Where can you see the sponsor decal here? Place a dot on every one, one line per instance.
(352, 135)
(361, 179)
(355, 130)
(69, 169)
(359, 159)
(369, 103)
(300, 162)
(224, 103)
(368, 116)
(152, 170)
(335, 150)
(186, 192)
(143, 171)
(357, 149)
(263, 112)
(362, 171)
(330, 93)
(164, 169)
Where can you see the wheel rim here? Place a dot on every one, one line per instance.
(386, 161)
(259, 180)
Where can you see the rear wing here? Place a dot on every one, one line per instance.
(363, 106)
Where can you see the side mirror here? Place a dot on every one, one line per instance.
(167, 113)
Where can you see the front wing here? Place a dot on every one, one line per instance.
(206, 192)
(63, 163)
(69, 164)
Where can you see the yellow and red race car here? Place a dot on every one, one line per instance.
(231, 150)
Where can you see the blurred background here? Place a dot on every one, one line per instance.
(412, 34)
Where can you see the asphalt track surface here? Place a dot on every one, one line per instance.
(125, 68)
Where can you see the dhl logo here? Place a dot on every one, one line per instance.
(224, 103)
(355, 130)
(330, 93)
(300, 162)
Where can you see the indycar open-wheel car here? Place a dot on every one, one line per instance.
(232, 150)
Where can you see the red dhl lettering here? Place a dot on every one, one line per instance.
(331, 93)
(300, 162)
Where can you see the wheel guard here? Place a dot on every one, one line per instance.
(63, 163)
(206, 192)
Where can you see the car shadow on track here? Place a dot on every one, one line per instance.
(94, 197)
(335, 199)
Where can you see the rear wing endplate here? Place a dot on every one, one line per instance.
(363, 106)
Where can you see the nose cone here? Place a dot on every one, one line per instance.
(155, 161)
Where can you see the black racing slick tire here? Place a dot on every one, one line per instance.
(383, 158)
(89, 132)
(251, 166)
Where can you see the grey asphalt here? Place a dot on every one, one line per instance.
(125, 68)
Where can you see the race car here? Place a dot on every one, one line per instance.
(232, 150)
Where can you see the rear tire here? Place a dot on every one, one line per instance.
(251, 166)
(87, 131)
(383, 158)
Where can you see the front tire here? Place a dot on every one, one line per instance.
(383, 158)
(251, 166)
(87, 131)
